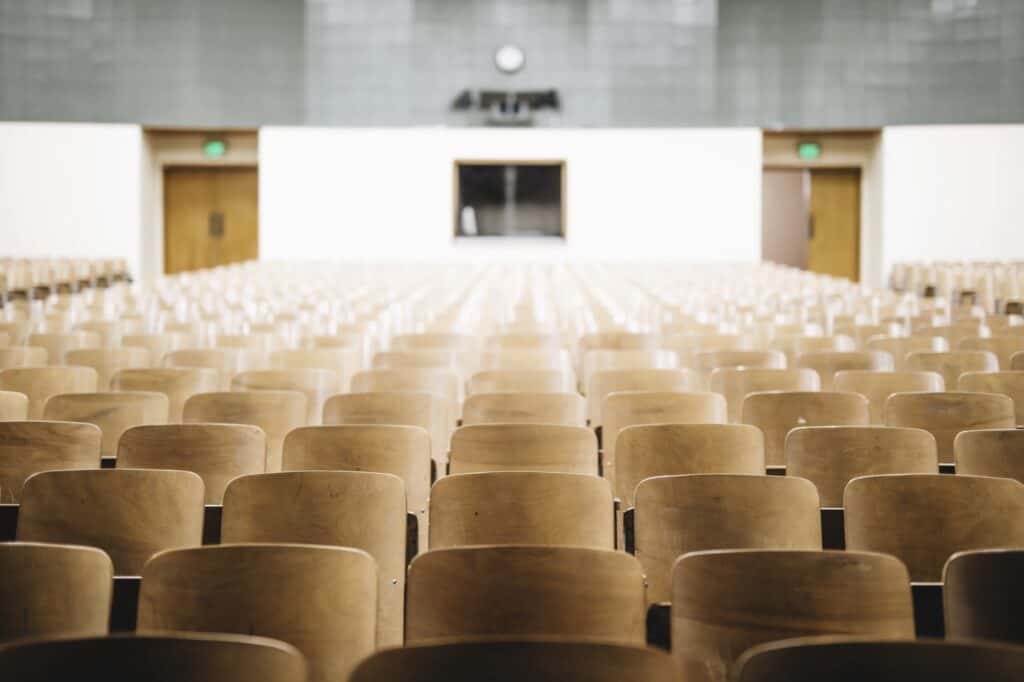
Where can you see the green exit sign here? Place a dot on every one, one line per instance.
(215, 149)
(808, 151)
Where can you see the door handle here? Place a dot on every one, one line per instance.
(215, 225)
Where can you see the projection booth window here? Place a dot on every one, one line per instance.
(510, 199)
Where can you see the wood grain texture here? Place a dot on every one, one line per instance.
(523, 447)
(113, 413)
(982, 595)
(606, 382)
(990, 452)
(566, 409)
(13, 406)
(707, 362)
(1008, 383)
(827, 363)
(521, 508)
(675, 449)
(878, 386)
(568, 592)
(163, 657)
(320, 599)
(725, 602)
(23, 356)
(924, 519)
(39, 383)
(177, 383)
(952, 364)
(50, 590)
(944, 415)
(899, 347)
(316, 384)
(28, 447)
(217, 453)
(130, 514)
(342, 508)
(691, 513)
(443, 383)
(275, 412)
(832, 456)
(107, 361)
(736, 383)
(777, 413)
(514, 661)
(521, 381)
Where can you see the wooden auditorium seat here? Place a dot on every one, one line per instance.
(982, 595)
(1009, 383)
(828, 363)
(878, 386)
(316, 384)
(523, 447)
(952, 364)
(29, 447)
(990, 452)
(113, 413)
(736, 383)
(566, 409)
(177, 383)
(39, 383)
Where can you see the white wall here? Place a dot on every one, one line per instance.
(953, 193)
(688, 194)
(70, 190)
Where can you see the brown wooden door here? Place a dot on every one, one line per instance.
(211, 217)
(834, 244)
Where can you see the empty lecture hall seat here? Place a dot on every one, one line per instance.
(687, 344)
(983, 595)
(177, 383)
(216, 452)
(58, 344)
(828, 363)
(925, 518)
(706, 362)
(520, 381)
(275, 412)
(320, 599)
(107, 361)
(795, 346)
(525, 591)
(944, 415)
(523, 447)
(227, 361)
(1004, 347)
(39, 383)
(853, 659)
(606, 360)
(618, 340)
(154, 657)
(1009, 383)
(604, 383)
(22, 356)
(17, 332)
(567, 409)
(159, 345)
(109, 331)
(878, 386)
(676, 515)
(522, 341)
(832, 456)
(113, 413)
(782, 594)
(341, 508)
(443, 383)
(990, 452)
(528, 359)
(1017, 361)
(130, 514)
(28, 447)
(537, 660)
(902, 346)
(13, 406)
(439, 341)
(736, 383)
(522, 508)
(342, 362)
(52, 589)
(316, 384)
(649, 450)
(952, 364)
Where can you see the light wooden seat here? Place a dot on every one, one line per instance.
(262, 343)
(567, 409)
(154, 657)
(777, 413)
(795, 346)
(107, 361)
(227, 361)
(50, 590)
(130, 514)
(342, 508)
(522, 508)
(680, 514)
(1017, 361)
(449, 341)
(316, 384)
(925, 518)
(13, 406)
(443, 383)
(344, 362)
(28, 447)
(848, 659)
(424, 358)
(605, 360)
(726, 601)
(618, 340)
(521, 381)
(113, 413)
(686, 345)
(952, 364)
(1008, 383)
(320, 599)
(832, 456)
(216, 452)
(707, 362)
(902, 346)
(827, 364)
(983, 595)
(944, 415)
(1004, 347)
(39, 383)
(604, 383)
(878, 386)
(58, 344)
(17, 331)
(735, 384)
(565, 592)
(523, 447)
(276, 412)
(636, 408)
(649, 450)
(514, 661)
(177, 383)
(523, 340)
(990, 452)
(23, 356)
(528, 359)
(159, 345)
(397, 408)
(388, 449)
